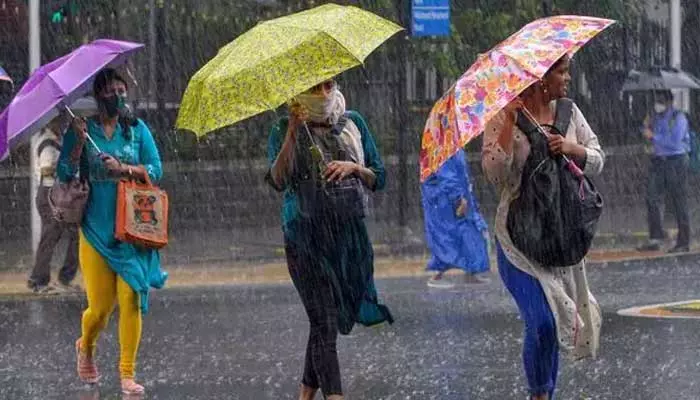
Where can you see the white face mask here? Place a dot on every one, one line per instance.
(659, 107)
(323, 108)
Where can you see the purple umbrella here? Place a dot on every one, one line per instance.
(55, 86)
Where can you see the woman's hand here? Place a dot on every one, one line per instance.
(559, 145)
(339, 170)
(112, 165)
(461, 210)
(80, 128)
(505, 136)
(513, 107)
(298, 114)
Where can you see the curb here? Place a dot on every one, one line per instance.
(187, 276)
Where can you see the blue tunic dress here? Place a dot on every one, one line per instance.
(140, 268)
(455, 242)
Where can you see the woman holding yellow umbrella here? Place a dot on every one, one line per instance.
(323, 157)
(329, 253)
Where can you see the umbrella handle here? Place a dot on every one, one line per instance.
(72, 115)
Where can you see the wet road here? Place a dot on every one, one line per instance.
(247, 343)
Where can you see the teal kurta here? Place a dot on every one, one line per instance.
(140, 268)
(341, 248)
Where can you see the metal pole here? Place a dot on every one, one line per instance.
(402, 108)
(151, 51)
(34, 63)
(675, 24)
(675, 32)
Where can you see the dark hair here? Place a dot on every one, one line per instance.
(556, 64)
(104, 78)
(664, 95)
(330, 82)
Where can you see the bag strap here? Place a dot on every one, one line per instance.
(337, 129)
(84, 165)
(525, 125)
(562, 118)
(47, 143)
(674, 119)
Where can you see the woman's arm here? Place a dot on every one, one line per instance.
(373, 174)
(280, 155)
(497, 150)
(283, 158)
(587, 152)
(69, 159)
(150, 164)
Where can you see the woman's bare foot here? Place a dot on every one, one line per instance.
(307, 393)
(544, 396)
(87, 370)
(131, 388)
(335, 397)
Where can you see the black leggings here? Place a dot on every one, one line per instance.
(321, 367)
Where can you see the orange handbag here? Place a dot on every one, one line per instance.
(142, 214)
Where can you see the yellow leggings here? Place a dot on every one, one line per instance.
(104, 288)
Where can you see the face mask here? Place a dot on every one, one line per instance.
(322, 108)
(659, 107)
(317, 104)
(112, 105)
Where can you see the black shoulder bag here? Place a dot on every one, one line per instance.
(554, 219)
(316, 197)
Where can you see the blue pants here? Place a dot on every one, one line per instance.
(540, 348)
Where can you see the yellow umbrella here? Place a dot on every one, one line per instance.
(277, 60)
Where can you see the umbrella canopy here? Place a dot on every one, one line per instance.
(277, 60)
(498, 77)
(659, 78)
(56, 85)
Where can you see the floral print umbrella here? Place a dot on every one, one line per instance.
(495, 79)
(277, 60)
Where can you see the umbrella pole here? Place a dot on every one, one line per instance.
(72, 115)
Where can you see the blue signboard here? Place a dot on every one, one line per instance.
(430, 17)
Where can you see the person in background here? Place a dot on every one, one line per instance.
(667, 129)
(47, 151)
(455, 231)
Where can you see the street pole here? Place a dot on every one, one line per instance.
(675, 32)
(402, 113)
(675, 24)
(34, 63)
(151, 53)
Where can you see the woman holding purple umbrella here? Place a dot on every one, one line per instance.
(114, 272)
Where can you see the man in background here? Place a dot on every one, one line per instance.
(47, 152)
(669, 133)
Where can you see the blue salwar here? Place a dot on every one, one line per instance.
(540, 348)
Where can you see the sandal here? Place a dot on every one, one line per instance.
(130, 387)
(87, 370)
